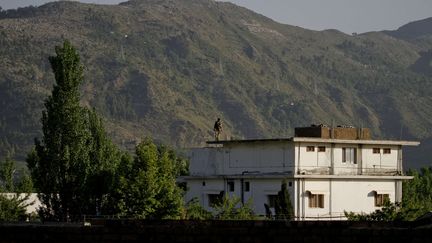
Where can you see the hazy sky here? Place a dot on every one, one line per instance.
(345, 15)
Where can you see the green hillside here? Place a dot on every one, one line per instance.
(169, 68)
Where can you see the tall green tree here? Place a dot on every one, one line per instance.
(13, 180)
(417, 193)
(13, 204)
(60, 162)
(283, 206)
(105, 158)
(7, 169)
(149, 186)
(13, 208)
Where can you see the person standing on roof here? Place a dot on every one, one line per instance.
(217, 129)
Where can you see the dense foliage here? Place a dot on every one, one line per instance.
(60, 163)
(229, 208)
(78, 171)
(417, 193)
(389, 212)
(283, 205)
(194, 211)
(13, 208)
(147, 187)
(14, 187)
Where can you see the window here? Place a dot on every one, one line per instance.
(214, 199)
(310, 148)
(272, 200)
(386, 151)
(380, 199)
(321, 149)
(203, 183)
(290, 183)
(316, 200)
(246, 186)
(349, 155)
(230, 185)
(376, 150)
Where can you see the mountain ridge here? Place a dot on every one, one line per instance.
(169, 68)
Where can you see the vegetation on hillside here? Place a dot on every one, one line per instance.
(169, 68)
(78, 171)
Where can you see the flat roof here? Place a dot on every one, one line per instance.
(318, 140)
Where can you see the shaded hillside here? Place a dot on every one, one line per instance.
(413, 30)
(170, 68)
(419, 33)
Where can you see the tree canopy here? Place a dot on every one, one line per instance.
(68, 163)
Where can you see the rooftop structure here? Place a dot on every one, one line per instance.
(329, 171)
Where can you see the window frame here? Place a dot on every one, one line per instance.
(231, 186)
(316, 200)
(352, 153)
(247, 186)
(380, 199)
(310, 148)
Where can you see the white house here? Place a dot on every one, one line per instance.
(329, 171)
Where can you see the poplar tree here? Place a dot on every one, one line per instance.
(105, 158)
(60, 162)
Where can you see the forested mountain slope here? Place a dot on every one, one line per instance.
(169, 68)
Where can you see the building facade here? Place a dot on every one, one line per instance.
(328, 171)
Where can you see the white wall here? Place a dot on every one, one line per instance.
(198, 190)
(238, 158)
(373, 161)
(367, 162)
(342, 195)
(206, 161)
(310, 161)
(347, 167)
(339, 195)
(259, 191)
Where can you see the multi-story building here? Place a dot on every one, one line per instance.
(328, 170)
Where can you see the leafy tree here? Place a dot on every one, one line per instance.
(13, 208)
(74, 166)
(13, 205)
(116, 203)
(13, 181)
(149, 188)
(194, 211)
(105, 159)
(283, 206)
(231, 208)
(7, 169)
(417, 193)
(24, 184)
(60, 163)
(389, 212)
